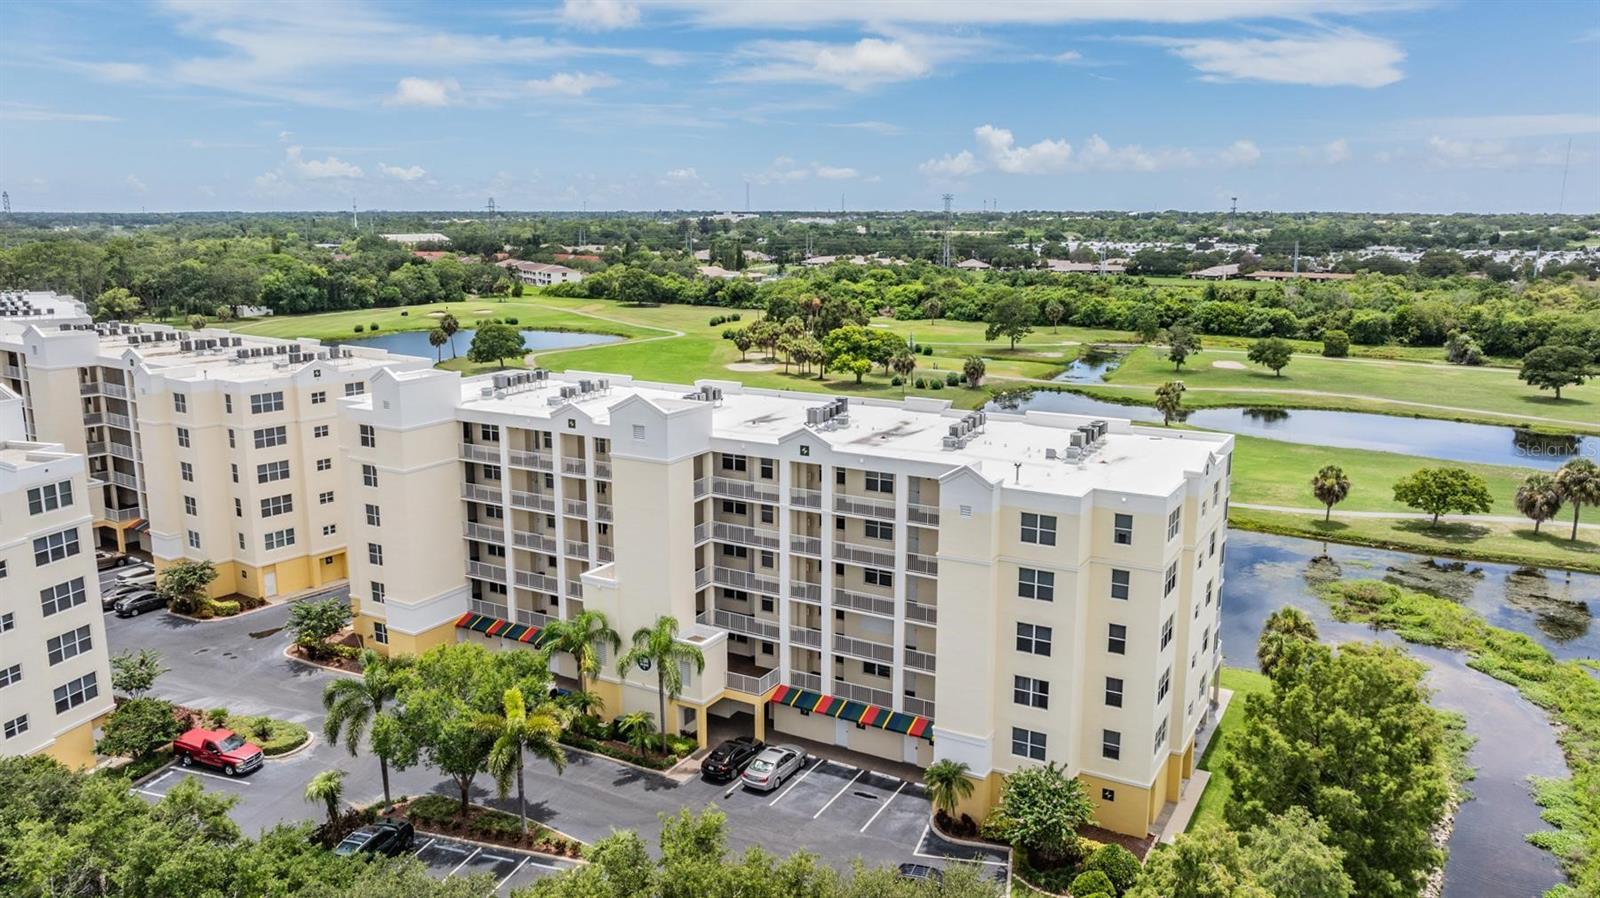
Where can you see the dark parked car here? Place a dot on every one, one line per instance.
(729, 759)
(921, 873)
(139, 602)
(112, 594)
(388, 838)
(105, 559)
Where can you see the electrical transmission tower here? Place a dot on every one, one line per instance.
(494, 218)
(355, 222)
(5, 201)
(944, 257)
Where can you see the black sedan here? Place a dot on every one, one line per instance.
(139, 602)
(921, 873)
(729, 759)
(388, 838)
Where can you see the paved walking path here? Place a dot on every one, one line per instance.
(1410, 515)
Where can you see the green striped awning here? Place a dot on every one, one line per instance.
(859, 713)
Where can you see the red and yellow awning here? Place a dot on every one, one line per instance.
(492, 626)
(859, 713)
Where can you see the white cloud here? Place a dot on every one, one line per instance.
(886, 129)
(683, 175)
(1336, 151)
(1506, 127)
(29, 112)
(134, 182)
(398, 173)
(878, 13)
(835, 173)
(1454, 153)
(1067, 56)
(1341, 58)
(785, 169)
(1099, 155)
(957, 165)
(570, 84)
(1000, 147)
(320, 169)
(599, 15)
(999, 151)
(867, 62)
(423, 92)
(115, 71)
(1241, 152)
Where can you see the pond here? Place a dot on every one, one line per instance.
(1430, 438)
(1091, 367)
(416, 342)
(1488, 854)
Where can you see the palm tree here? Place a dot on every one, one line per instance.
(327, 787)
(1579, 483)
(1285, 627)
(581, 638)
(1330, 486)
(658, 646)
(1169, 401)
(973, 370)
(518, 729)
(904, 364)
(437, 338)
(636, 728)
(948, 785)
(353, 705)
(1539, 497)
(450, 325)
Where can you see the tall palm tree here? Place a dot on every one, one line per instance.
(948, 784)
(353, 705)
(1579, 483)
(450, 325)
(1539, 497)
(518, 729)
(581, 638)
(904, 364)
(437, 338)
(1330, 486)
(657, 646)
(1284, 628)
(327, 787)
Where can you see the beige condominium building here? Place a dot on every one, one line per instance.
(55, 677)
(201, 444)
(901, 579)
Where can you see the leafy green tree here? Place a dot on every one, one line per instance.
(1330, 486)
(657, 646)
(1182, 342)
(1539, 498)
(519, 730)
(1053, 312)
(1010, 316)
(1289, 857)
(1335, 344)
(1118, 864)
(743, 341)
(437, 338)
(133, 673)
(1286, 631)
(849, 348)
(1040, 812)
(197, 322)
(116, 304)
(327, 789)
(451, 327)
(1554, 367)
(1271, 352)
(1349, 737)
(1578, 481)
(948, 785)
(932, 308)
(138, 726)
(1207, 862)
(1169, 401)
(495, 343)
(582, 637)
(973, 370)
(1440, 491)
(313, 623)
(184, 583)
(1092, 882)
(353, 706)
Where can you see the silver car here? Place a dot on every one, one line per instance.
(772, 767)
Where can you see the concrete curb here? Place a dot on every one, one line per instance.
(528, 851)
(289, 653)
(606, 757)
(311, 739)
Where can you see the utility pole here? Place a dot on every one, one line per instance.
(1233, 211)
(5, 201)
(944, 258)
(1296, 256)
(494, 219)
(355, 220)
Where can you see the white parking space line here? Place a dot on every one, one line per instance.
(976, 860)
(152, 783)
(149, 793)
(463, 863)
(190, 771)
(882, 809)
(502, 883)
(498, 859)
(424, 847)
(797, 781)
(837, 794)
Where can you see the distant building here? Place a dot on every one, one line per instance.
(431, 255)
(415, 239)
(973, 264)
(1304, 275)
(542, 274)
(570, 257)
(717, 271)
(253, 312)
(1217, 272)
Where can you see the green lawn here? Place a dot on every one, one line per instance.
(1242, 682)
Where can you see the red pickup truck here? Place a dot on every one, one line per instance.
(223, 749)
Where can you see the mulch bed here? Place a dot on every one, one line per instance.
(348, 638)
(489, 825)
(1139, 847)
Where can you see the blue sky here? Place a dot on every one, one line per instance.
(1096, 104)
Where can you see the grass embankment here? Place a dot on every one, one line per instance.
(1242, 682)
(1566, 690)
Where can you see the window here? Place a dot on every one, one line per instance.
(1032, 584)
(1120, 583)
(1213, 549)
(1174, 523)
(1166, 632)
(231, 443)
(378, 592)
(1027, 744)
(194, 539)
(491, 472)
(1172, 579)
(180, 402)
(69, 645)
(1161, 736)
(62, 596)
(325, 498)
(183, 437)
(872, 669)
(355, 388)
(838, 476)
(241, 541)
(1033, 639)
(55, 547)
(380, 633)
(16, 726)
(734, 508)
(769, 515)
(1164, 686)
(49, 497)
(767, 469)
(186, 471)
(877, 482)
(319, 397)
(279, 539)
(374, 516)
(375, 554)
(1117, 639)
(735, 463)
(733, 551)
(1113, 692)
(1039, 529)
(9, 675)
(1030, 692)
(879, 530)
(3, 571)
(369, 475)
(1122, 530)
(489, 433)
(878, 577)
(1205, 639)
(234, 470)
(262, 403)
(271, 471)
(1110, 744)
(190, 507)
(329, 529)
(324, 464)
(276, 505)
(369, 437)
(76, 693)
(267, 437)
(8, 622)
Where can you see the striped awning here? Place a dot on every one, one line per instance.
(859, 713)
(140, 525)
(492, 626)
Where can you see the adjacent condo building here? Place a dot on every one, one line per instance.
(901, 579)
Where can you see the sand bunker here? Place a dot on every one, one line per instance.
(1231, 366)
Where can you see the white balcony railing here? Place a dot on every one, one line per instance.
(806, 545)
(121, 450)
(602, 470)
(918, 563)
(602, 512)
(605, 555)
(922, 661)
(863, 648)
(574, 466)
(916, 611)
(537, 461)
(859, 554)
(575, 507)
(121, 479)
(861, 601)
(480, 493)
(474, 452)
(749, 685)
(121, 514)
(927, 515)
(486, 571)
(702, 533)
(487, 534)
(745, 536)
(862, 507)
(871, 696)
(534, 618)
(575, 589)
(746, 580)
(805, 592)
(702, 486)
(538, 582)
(804, 636)
(538, 542)
(804, 498)
(806, 680)
(495, 610)
(533, 501)
(702, 578)
(918, 706)
(577, 549)
(744, 489)
(734, 622)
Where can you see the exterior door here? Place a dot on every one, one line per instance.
(269, 584)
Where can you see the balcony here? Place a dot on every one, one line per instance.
(484, 571)
(474, 452)
(806, 681)
(575, 507)
(121, 514)
(577, 467)
(918, 706)
(702, 578)
(121, 479)
(120, 450)
(811, 639)
(805, 591)
(926, 515)
(533, 501)
(863, 648)
(605, 556)
(577, 549)
(745, 536)
(13, 371)
(855, 693)
(602, 512)
(702, 533)
(804, 498)
(864, 508)
(602, 470)
(534, 618)
(749, 685)
(535, 461)
(477, 492)
(478, 531)
(917, 563)
(575, 589)
(744, 489)
(101, 388)
(860, 601)
(745, 580)
(538, 542)
(734, 622)
(858, 554)
(806, 545)
(919, 661)
(109, 419)
(702, 487)
(916, 611)
(538, 582)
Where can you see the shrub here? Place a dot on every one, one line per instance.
(511, 320)
(359, 328)
(373, 327)
(936, 385)
(922, 383)
(927, 350)
(952, 379)
(216, 717)
(138, 727)
(734, 317)
(1091, 882)
(405, 313)
(1117, 863)
(250, 603)
(896, 381)
(224, 608)
(1335, 344)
